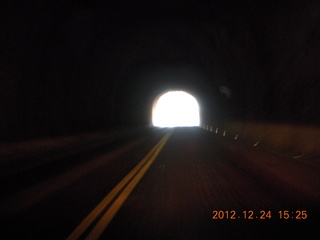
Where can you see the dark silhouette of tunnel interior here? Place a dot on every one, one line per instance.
(68, 68)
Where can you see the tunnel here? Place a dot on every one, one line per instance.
(175, 109)
(90, 131)
(114, 65)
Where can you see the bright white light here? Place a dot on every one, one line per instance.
(176, 109)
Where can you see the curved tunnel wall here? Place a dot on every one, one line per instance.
(85, 68)
(294, 141)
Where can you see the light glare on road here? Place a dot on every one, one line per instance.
(176, 109)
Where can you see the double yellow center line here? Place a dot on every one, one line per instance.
(110, 205)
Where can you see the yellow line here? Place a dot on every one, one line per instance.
(83, 226)
(108, 216)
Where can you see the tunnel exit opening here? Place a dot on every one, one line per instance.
(175, 109)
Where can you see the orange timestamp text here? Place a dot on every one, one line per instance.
(263, 214)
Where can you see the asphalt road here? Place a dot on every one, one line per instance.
(196, 186)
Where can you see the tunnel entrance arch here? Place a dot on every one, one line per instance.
(175, 109)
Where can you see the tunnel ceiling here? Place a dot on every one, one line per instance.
(70, 67)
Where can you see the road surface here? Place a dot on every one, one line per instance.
(182, 183)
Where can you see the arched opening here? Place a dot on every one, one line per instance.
(175, 109)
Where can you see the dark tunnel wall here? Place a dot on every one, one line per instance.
(69, 68)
